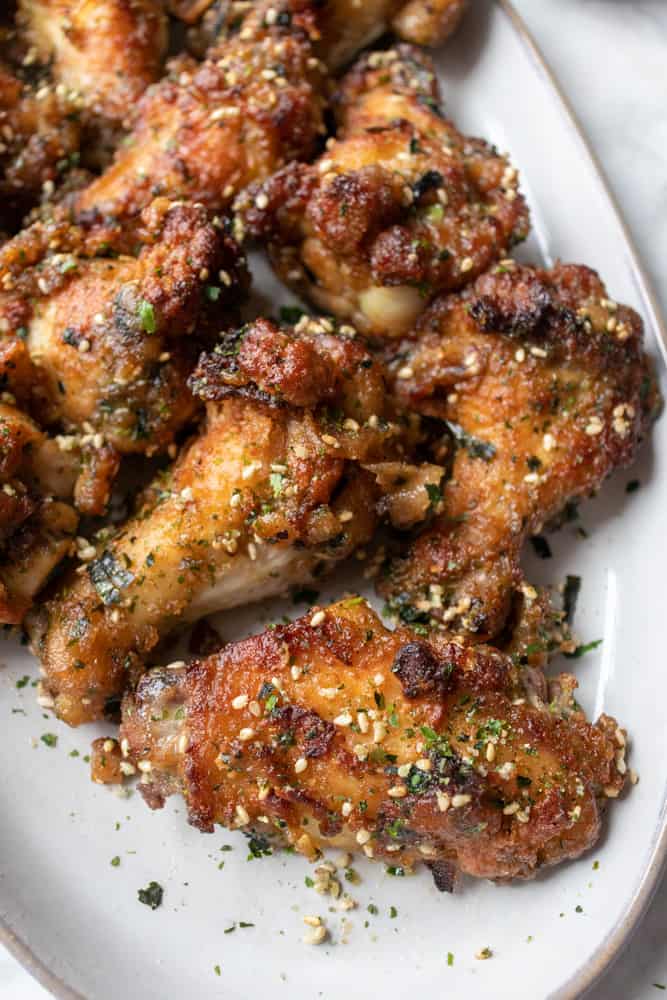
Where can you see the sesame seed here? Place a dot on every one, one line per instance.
(405, 372)
(125, 747)
(330, 440)
(187, 494)
(512, 808)
(594, 427)
(443, 801)
(538, 352)
(127, 769)
(363, 836)
(344, 719)
(317, 937)
(423, 764)
(379, 732)
(360, 751)
(246, 734)
(300, 765)
(378, 680)
(145, 766)
(261, 201)
(362, 721)
(317, 619)
(467, 264)
(312, 921)
(295, 672)
(520, 355)
(490, 752)
(242, 815)
(397, 792)
(84, 346)
(403, 770)
(346, 808)
(458, 801)
(240, 701)
(548, 442)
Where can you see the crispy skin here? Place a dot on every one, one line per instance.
(38, 135)
(107, 51)
(399, 207)
(271, 492)
(206, 130)
(115, 338)
(452, 758)
(545, 384)
(36, 527)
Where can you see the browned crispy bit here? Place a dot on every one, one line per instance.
(106, 762)
(115, 337)
(399, 207)
(206, 130)
(335, 732)
(544, 386)
(272, 492)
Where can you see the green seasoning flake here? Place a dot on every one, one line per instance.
(146, 314)
(434, 494)
(596, 865)
(151, 895)
(291, 314)
(450, 958)
(216, 969)
(49, 739)
(109, 578)
(23, 682)
(660, 986)
(393, 912)
(582, 650)
(115, 862)
(578, 909)
(212, 293)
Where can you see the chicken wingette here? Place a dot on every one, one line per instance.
(206, 130)
(106, 51)
(400, 206)
(115, 337)
(36, 527)
(334, 732)
(545, 388)
(284, 480)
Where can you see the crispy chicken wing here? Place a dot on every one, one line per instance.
(39, 135)
(206, 130)
(116, 337)
(399, 207)
(335, 732)
(273, 491)
(36, 527)
(106, 51)
(545, 387)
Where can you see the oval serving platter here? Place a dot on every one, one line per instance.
(73, 918)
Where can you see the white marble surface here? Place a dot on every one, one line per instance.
(611, 59)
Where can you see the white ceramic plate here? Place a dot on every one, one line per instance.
(74, 919)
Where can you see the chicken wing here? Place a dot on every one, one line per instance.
(399, 207)
(334, 732)
(206, 130)
(273, 491)
(36, 527)
(116, 337)
(39, 135)
(106, 51)
(543, 383)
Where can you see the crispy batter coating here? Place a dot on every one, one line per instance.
(39, 135)
(336, 732)
(36, 528)
(399, 207)
(206, 130)
(116, 337)
(546, 389)
(106, 51)
(270, 493)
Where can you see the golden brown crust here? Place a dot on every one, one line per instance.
(105, 51)
(546, 389)
(206, 130)
(115, 338)
(400, 206)
(336, 732)
(270, 493)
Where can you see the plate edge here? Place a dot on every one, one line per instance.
(609, 950)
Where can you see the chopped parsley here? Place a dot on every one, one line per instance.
(216, 969)
(109, 578)
(23, 682)
(434, 494)
(151, 895)
(291, 314)
(582, 650)
(49, 739)
(115, 862)
(146, 315)
(450, 958)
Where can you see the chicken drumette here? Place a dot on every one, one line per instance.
(284, 480)
(545, 388)
(399, 207)
(116, 337)
(334, 732)
(36, 526)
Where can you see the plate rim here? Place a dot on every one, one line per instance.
(608, 951)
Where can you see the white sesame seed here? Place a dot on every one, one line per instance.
(490, 752)
(423, 764)
(403, 770)
(405, 372)
(378, 680)
(300, 765)
(344, 719)
(345, 516)
(363, 836)
(317, 619)
(295, 672)
(242, 815)
(467, 264)
(261, 201)
(125, 747)
(127, 769)
(379, 732)
(538, 352)
(360, 751)
(145, 766)
(397, 792)
(458, 801)
(443, 801)
(346, 808)
(246, 734)
(312, 921)
(362, 722)
(240, 701)
(512, 808)
(84, 346)
(186, 493)
(109, 745)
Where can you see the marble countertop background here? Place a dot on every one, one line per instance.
(611, 59)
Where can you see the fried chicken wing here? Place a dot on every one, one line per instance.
(273, 491)
(40, 132)
(399, 207)
(206, 130)
(334, 732)
(545, 387)
(106, 51)
(36, 527)
(116, 337)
